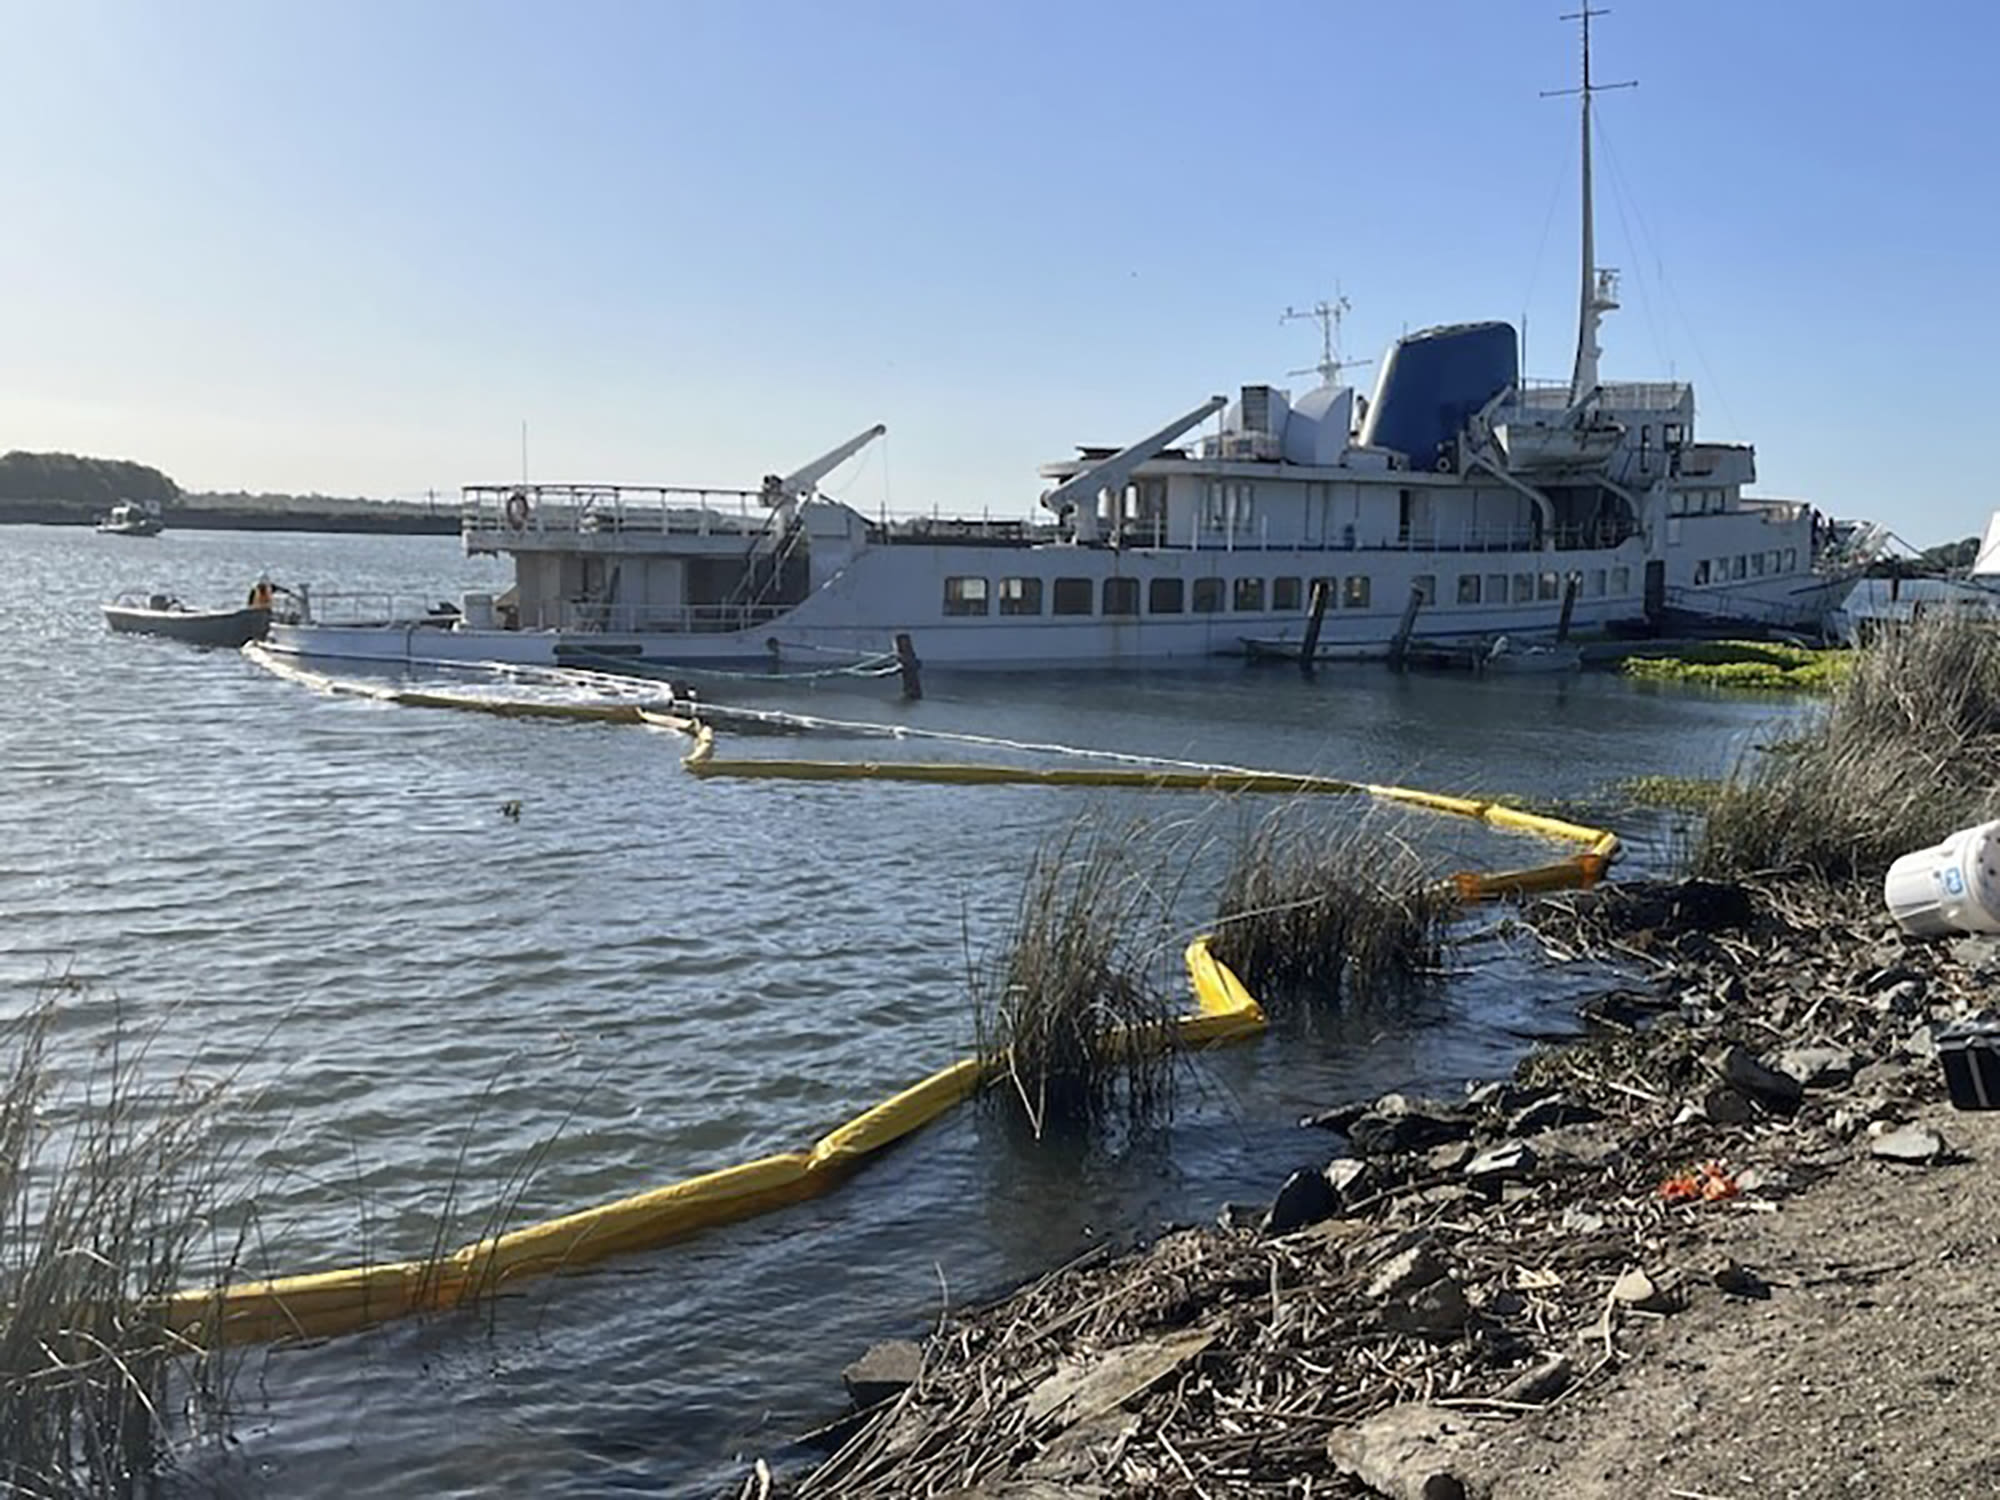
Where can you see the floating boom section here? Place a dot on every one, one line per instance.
(800, 483)
(1079, 495)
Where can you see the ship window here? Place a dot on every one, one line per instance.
(1548, 586)
(1791, 559)
(1249, 595)
(1621, 581)
(1121, 596)
(1468, 588)
(1496, 588)
(1425, 586)
(1354, 591)
(1524, 588)
(1072, 596)
(1207, 595)
(965, 596)
(1285, 593)
(1777, 560)
(1736, 567)
(1597, 583)
(1020, 596)
(1756, 565)
(1163, 596)
(1701, 572)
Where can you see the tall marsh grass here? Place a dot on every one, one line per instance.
(1906, 749)
(108, 1185)
(1335, 912)
(1075, 1013)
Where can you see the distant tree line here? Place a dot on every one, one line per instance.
(97, 482)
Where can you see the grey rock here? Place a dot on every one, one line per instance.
(1762, 1082)
(1338, 1118)
(1738, 1280)
(1239, 1216)
(1817, 1067)
(1350, 1179)
(1544, 1382)
(1450, 1157)
(1577, 1220)
(1383, 1132)
(1725, 1106)
(1414, 1268)
(1888, 976)
(1409, 1452)
(1921, 1043)
(1551, 1114)
(1306, 1198)
(1770, 1182)
(1439, 1307)
(883, 1372)
(1503, 1302)
(1912, 1145)
(1636, 1290)
(1979, 953)
(1905, 998)
(1510, 1162)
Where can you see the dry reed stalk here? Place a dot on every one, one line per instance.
(1075, 1016)
(110, 1187)
(1349, 912)
(1906, 750)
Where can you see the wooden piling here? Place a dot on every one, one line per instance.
(1400, 646)
(1570, 585)
(1321, 592)
(906, 661)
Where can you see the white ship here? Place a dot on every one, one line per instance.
(1455, 504)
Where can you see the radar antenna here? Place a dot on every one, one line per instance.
(1328, 315)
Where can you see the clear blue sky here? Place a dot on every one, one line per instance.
(350, 246)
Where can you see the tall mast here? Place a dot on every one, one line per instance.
(1598, 293)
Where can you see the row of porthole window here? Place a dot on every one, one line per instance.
(1746, 565)
(970, 595)
(1120, 597)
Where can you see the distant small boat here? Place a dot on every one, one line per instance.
(1506, 655)
(161, 614)
(131, 520)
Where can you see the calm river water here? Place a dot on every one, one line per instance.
(652, 976)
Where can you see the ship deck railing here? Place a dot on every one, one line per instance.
(503, 510)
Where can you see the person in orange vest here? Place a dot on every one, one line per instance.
(260, 594)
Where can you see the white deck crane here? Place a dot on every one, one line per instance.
(783, 492)
(1077, 497)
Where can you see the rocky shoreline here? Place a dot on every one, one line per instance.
(1476, 1296)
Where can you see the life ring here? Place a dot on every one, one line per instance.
(518, 510)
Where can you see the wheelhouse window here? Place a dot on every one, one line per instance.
(1354, 591)
(965, 596)
(1425, 586)
(1207, 596)
(1020, 596)
(1072, 596)
(1249, 596)
(1121, 596)
(1286, 594)
(1468, 588)
(1164, 596)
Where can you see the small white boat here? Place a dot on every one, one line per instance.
(130, 520)
(162, 614)
(1507, 655)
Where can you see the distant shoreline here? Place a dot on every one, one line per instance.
(388, 520)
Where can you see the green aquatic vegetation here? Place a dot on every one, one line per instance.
(1688, 793)
(1762, 665)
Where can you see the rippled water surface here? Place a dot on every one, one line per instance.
(648, 976)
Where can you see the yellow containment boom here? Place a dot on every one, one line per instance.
(325, 1303)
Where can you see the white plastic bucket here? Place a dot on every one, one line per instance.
(1951, 887)
(476, 611)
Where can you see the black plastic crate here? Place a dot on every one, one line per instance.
(1970, 1055)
